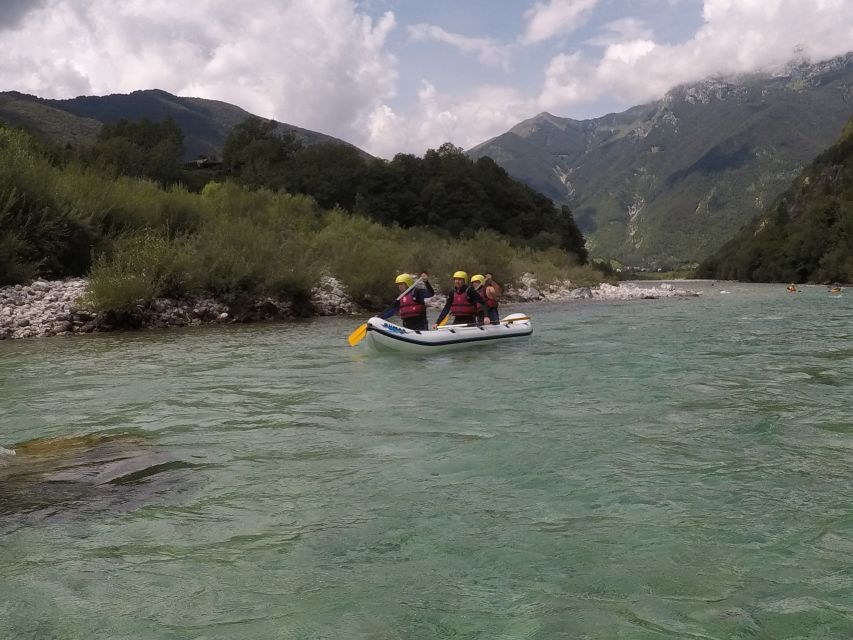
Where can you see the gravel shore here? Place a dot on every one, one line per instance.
(54, 308)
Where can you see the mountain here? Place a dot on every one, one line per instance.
(29, 113)
(669, 182)
(205, 123)
(807, 235)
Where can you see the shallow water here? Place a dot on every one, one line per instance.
(652, 469)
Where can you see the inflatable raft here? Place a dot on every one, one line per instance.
(387, 336)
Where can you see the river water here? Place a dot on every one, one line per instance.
(651, 469)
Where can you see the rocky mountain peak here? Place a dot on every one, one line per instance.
(795, 74)
(668, 182)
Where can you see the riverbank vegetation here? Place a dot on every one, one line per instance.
(139, 236)
(444, 190)
(806, 236)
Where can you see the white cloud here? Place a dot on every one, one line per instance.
(463, 120)
(317, 64)
(621, 30)
(565, 81)
(326, 64)
(555, 17)
(738, 36)
(489, 51)
(628, 52)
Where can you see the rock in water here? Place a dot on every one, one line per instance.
(56, 477)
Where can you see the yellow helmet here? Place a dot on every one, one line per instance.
(461, 275)
(406, 279)
(478, 278)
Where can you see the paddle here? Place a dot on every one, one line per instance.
(508, 320)
(358, 335)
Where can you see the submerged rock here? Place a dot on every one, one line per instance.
(56, 477)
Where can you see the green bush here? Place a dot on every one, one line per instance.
(15, 263)
(135, 271)
(365, 256)
(236, 258)
(229, 241)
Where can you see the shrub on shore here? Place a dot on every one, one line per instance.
(138, 241)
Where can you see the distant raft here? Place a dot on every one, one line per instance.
(387, 336)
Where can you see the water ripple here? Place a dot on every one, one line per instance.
(670, 469)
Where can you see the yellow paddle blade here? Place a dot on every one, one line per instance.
(444, 322)
(358, 335)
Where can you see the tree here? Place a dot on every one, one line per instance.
(331, 172)
(142, 149)
(257, 156)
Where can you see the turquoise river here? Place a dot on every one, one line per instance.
(650, 469)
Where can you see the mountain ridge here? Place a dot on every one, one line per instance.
(205, 123)
(669, 181)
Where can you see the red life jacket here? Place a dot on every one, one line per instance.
(461, 305)
(410, 308)
(491, 303)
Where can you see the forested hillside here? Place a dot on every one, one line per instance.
(204, 123)
(806, 236)
(444, 190)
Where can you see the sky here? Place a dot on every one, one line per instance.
(395, 76)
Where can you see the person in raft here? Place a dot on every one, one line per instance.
(477, 282)
(462, 302)
(491, 293)
(411, 307)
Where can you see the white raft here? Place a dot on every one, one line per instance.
(387, 336)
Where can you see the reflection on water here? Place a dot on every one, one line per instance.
(100, 472)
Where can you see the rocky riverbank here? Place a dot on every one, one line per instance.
(55, 308)
(566, 291)
(529, 291)
(47, 308)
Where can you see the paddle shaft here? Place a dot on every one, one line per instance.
(400, 297)
(474, 324)
(358, 335)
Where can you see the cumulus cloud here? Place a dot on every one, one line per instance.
(11, 11)
(461, 119)
(736, 37)
(326, 64)
(321, 65)
(631, 67)
(621, 30)
(487, 50)
(555, 17)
